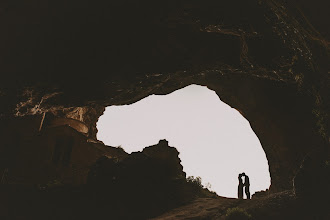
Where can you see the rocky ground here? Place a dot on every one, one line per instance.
(283, 205)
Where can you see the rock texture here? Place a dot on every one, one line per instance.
(281, 205)
(146, 183)
(120, 186)
(71, 59)
(56, 153)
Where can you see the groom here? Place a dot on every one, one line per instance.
(246, 185)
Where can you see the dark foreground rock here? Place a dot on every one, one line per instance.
(136, 186)
(146, 183)
(283, 205)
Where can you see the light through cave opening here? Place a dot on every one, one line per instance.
(214, 140)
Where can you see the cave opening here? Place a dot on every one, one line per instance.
(215, 141)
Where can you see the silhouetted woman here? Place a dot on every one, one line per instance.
(247, 186)
(240, 186)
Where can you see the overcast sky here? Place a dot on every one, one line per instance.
(214, 140)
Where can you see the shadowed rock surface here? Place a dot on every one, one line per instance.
(146, 183)
(281, 205)
(65, 61)
(136, 186)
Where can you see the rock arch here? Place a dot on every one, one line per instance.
(261, 57)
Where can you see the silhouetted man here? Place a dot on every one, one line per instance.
(247, 185)
(240, 186)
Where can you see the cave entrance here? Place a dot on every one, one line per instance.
(214, 140)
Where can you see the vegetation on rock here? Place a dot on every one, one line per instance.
(237, 214)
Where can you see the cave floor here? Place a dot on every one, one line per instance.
(25, 204)
(281, 205)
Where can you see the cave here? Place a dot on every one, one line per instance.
(63, 62)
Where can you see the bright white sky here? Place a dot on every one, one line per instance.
(214, 140)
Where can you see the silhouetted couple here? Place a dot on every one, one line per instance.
(246, 184)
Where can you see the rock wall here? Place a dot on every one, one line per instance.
(55, 154)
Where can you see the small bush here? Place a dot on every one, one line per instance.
(237, 214)
(196, 181)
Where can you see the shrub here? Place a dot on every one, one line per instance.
(237, 214)
(196, 181)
